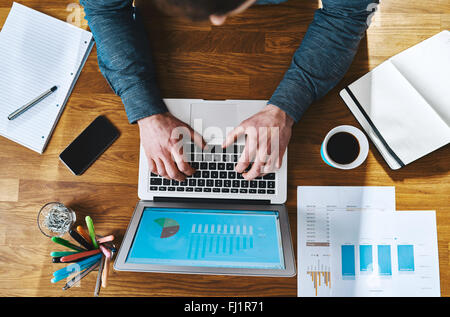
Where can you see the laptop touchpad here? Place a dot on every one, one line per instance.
(214, 120)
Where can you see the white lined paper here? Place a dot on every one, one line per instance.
(37, 53)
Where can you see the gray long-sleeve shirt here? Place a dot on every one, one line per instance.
(320, 62)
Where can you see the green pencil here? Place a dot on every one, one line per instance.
(90, 225)
(61, 253)
(66, 243)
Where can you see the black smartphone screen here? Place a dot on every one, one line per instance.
(89, 145)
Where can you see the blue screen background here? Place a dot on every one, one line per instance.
(209, 238)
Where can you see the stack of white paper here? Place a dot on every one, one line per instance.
(352, 242)
(384, 254)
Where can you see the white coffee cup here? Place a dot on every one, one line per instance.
(363, 147)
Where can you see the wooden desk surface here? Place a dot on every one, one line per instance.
(244, 59)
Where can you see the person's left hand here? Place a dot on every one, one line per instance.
(268, 133)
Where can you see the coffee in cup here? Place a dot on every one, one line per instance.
(345, 147)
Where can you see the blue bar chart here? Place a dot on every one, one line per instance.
(366, 255)
(379, 254)
(405, 258)
(365, 258)
(348, 262)
(384, 260)
(206, 239)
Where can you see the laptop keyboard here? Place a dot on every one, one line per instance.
(215, 174)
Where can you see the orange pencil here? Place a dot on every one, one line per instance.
(79, 255)
(84, 234)
(105, 272)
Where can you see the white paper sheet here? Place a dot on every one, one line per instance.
(315, 206)
(384, 254)
(427, 67)
(37, 52)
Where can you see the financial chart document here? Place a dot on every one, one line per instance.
(208, 238)
(384, 254)
(315, 204)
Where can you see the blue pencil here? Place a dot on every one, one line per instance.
(82, 269)
(72, 267)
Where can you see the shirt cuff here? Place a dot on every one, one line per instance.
(291, 99)
(142, 101)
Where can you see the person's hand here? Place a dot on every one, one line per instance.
(268, 133)
(162, 137)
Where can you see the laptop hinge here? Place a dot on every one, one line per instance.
(211, 200)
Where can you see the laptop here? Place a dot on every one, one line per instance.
(215, 221)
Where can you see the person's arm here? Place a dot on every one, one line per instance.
(124, 56)
(320, 62)
(325, 54)
(124, 59)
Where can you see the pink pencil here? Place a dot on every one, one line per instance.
(105, 251)
(105, 239)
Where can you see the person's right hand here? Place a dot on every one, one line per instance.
(162, 136)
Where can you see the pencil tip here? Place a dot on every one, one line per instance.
(53, 88)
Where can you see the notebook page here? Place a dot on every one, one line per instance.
(427, 67)
(405, 120)
(37, 53)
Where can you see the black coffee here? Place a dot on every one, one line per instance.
(343, 148)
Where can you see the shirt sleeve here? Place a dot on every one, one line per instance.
(325, 54)
(124, 56)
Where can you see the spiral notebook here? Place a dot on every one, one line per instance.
(403, 104)
(37, 53)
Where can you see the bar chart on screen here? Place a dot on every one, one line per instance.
(208, 238)
(219, 239)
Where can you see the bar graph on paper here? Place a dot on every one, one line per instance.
(320, 276)
(316, 204)
(376, 259)
(384, 254)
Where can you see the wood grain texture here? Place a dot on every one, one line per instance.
(246, 58)
(9, 189)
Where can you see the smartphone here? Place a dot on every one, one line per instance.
(89, 145)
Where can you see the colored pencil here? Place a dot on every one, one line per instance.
(80, 255)
(78, 277)
(99, 277)
(61, 253)
(67, 244)
(105, 272)
(79, 238)
(105, 251)
(105, 239)
(84, 234)
(90, 225)
(75, 266)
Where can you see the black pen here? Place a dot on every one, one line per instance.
(24, 108)
(77, 237)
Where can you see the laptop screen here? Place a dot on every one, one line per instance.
(208, 238)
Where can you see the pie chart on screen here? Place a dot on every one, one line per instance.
(169, 227)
